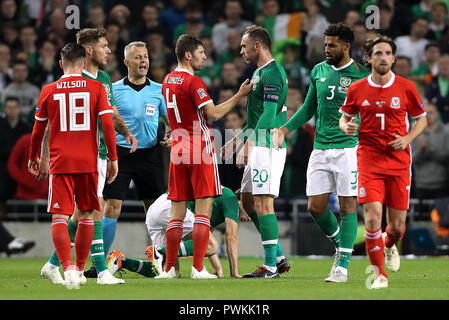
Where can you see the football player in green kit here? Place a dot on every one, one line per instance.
(332, 165)
(266, 110)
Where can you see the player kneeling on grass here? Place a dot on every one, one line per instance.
(385, 101)
(225, 209)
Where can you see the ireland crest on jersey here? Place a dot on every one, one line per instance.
(255, 81)
(345, 82)
(108, 90)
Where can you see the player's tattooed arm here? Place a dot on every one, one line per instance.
(121, 127)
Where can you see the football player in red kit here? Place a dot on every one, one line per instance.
(193, 172)
(385, 102)
(72, 105)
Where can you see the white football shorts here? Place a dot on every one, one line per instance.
(102, 166)
(158, 216)
(332, 171)
(262, 174)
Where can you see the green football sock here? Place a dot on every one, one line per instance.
(348, 233)
(144, 268)
(72, 227)
(185, 248)
(97, 248)
(269, 231)
(328, 224)
(255, 220)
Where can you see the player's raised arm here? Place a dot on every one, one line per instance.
(216, 112)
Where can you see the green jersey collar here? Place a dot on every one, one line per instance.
(266, 64)
(90, 74)
(342, 67)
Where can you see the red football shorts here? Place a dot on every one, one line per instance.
(190, 180)
(66, 189)
(392, 190)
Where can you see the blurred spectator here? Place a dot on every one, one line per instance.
(28, 44)
(440, 218)
(403, 67)
(229, 75)
(233, 47)
(5, 67)
(10, 36)
(11, 129)
(211, 71)
(12, 245)
(26, 92)
(297, 73)
(56, 31)
(232, 20)
(8, 11)
(360, 35)
(386, 14)
(28, 187)
(230, 174)
(413, 45)
(427, 70)
(437, 92)
(438, 26)
(194, 25)
(160, 54)
(317, 22)
(117, 47)
(96, 17)
(47, 69)
(422, 9)
(431, 158)
(149, 21)
(352, 17)
(171, 17)
(299, 146)
(121, 15)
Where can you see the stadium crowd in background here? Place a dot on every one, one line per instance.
(32, 33)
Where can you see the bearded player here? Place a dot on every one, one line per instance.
(385, 102)
(332, 165)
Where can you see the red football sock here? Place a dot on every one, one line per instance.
(375, 250)
(173, 237)
(392, 238)
(83, 240)
(61, 242)
(200, 237)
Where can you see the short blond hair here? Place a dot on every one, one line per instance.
(133, 44)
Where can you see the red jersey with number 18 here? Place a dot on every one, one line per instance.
(72, 105)
(384, 111)
(185, 94)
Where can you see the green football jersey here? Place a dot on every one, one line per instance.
(104, 78)
(327, 93)
(266, 105)
(224, 206)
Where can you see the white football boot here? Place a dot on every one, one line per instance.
(203, 274)
(380, 282)
(105, 277)
(338, 276)
(392, 259)
(171, 274)
(52, 273)
(72, 279)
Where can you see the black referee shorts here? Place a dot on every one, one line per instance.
(144, 167)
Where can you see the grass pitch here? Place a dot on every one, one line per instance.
(418, 279)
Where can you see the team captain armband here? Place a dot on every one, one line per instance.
(270, 94)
